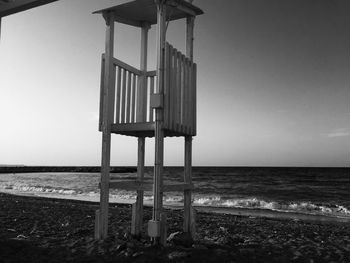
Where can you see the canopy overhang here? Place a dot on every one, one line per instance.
(9, 7)
(138, 12)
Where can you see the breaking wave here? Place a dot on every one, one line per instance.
(255, 203)
(200, 200)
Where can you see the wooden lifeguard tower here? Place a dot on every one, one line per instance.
(141, 103)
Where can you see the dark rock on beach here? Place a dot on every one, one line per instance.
(36, 229)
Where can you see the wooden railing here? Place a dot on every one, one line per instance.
(179, 92)
(134, 88)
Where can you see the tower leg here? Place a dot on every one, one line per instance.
(104, 191)
(188, 213)
(107, 119)
(137, 216)
(154, 225)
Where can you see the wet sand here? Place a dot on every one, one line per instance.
(34, 229)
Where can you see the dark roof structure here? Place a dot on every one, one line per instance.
(9, 7)
(137, 12)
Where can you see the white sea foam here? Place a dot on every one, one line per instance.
(65, 187)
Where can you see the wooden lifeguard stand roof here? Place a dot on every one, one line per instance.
(137, 12)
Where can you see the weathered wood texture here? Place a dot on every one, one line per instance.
(159, 117)
(189, 220)
(180, 92)
(134, 89)
(137, 12)
(137, 220)
(107, 120)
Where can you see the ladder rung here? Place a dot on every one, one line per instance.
(135, 185)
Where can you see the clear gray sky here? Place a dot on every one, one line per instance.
(273, 84)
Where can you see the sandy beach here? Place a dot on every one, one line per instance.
(35, 229)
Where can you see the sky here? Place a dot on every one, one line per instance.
(273, 84)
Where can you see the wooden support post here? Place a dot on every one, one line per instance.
(108, 111)
(137, 219)
(141, 116)
(188, 221)
(142, 84)
(188, 179)
(159, 132)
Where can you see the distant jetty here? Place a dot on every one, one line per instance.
(63, 169)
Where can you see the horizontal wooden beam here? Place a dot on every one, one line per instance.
(138, 126)
(152, 73)
(135, 185)
(123, 65)
(146, 129)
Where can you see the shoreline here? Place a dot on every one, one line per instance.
(37, 229)
(238, 211)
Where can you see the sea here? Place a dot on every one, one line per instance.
(281, 191)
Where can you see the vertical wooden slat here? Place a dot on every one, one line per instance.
(166, 85)
(138, 100)
(171, 89)
(188, 112)
(151, 91)
(128, 99)
(178, 91)
(102, 84)
(190, 93)
(187, 87)
(123, 97)
(188, 102)
(143, 98)
(176, 88)
(139, 113)
(165, 81)
(143, 67)
(113, 79)
(117, 106)
(169, 84)
(133, 98)
(183, 91)
(188, 97)
(194, 99)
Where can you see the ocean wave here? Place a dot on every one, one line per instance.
(255, 203)
(40, 189)
(304, 207)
